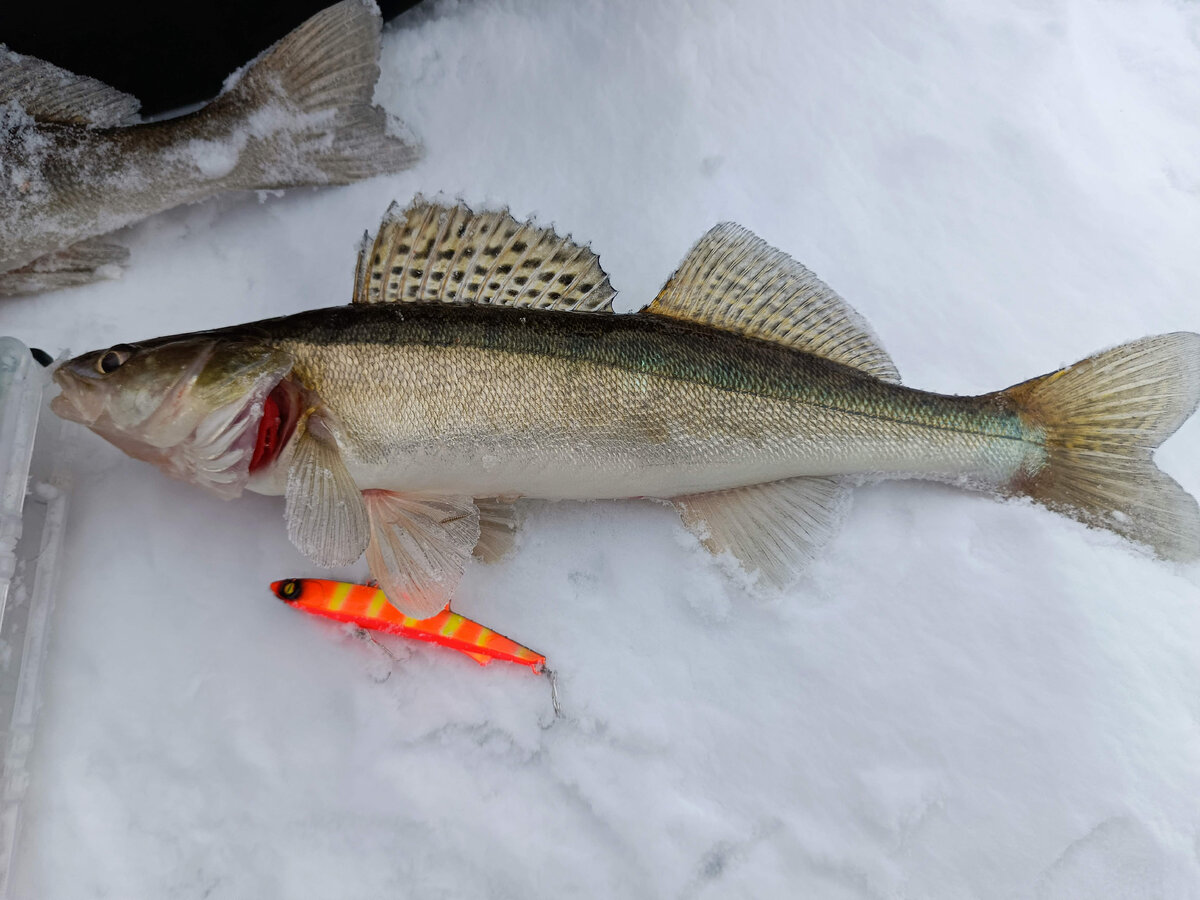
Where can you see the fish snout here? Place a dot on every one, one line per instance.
(79, 401)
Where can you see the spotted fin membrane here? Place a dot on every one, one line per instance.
(428, 253)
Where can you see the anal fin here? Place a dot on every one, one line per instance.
(773, 528)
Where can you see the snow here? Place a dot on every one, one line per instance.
(963, 698)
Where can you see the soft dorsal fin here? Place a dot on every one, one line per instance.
(430, 253)
(736, 281)
(51, 94)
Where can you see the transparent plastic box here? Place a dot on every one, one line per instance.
(33, 507)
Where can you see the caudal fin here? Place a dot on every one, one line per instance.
(92, 260)
(305, 106)
(1102, 419)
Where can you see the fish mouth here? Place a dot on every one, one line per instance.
(62, 407)
(75, 402)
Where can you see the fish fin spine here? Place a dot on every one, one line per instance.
(1099, 422)
(306, 106)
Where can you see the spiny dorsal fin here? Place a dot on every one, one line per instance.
(51, 94)
(736, 281)
(430, 253)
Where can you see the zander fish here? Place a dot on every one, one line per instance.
(480, 362)
(74, 165)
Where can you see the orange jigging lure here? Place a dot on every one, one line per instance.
(367, 607)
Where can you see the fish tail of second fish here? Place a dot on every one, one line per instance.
(1099, 422)
(81, 263)
(305, 110)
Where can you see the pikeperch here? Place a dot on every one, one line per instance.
(74, 163)
(480, 362)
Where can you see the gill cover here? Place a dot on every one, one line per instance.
(190, 406)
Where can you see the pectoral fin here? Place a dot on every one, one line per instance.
(326, 516)
(419, 547)
(774, 528)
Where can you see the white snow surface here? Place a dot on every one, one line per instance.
(963, 698)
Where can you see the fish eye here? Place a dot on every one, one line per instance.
(289, 590)
(111, 361)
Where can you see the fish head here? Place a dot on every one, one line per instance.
(192, 405)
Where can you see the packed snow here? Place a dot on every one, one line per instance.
(962, 698)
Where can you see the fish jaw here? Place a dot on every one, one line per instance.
(193, 408)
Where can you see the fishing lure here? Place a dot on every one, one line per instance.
(367, 607)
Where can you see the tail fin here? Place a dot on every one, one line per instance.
(306, 106)
(82, 263)
(1102, 419)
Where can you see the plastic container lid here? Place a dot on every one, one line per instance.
(33, 506)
